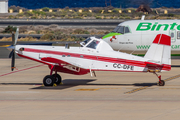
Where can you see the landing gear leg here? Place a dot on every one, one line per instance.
(161, 82)
(52, 69)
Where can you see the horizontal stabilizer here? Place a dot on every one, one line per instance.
(153, 66)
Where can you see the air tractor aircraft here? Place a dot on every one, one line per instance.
(136, 36)
(94, 55)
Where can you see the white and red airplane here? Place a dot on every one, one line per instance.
(96, 55)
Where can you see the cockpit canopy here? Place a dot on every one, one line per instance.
(95, 43)
(90, 42)
(85, 42)
(121, 29)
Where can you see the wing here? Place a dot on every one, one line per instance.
(66, 67)
(54, 60)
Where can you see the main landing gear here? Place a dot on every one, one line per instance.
(50, 80)
(161, 82)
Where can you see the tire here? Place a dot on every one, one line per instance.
(48, 80)
(58, 78)
(162, 83)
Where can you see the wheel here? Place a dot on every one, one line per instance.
(161, 83)
(48, 80)
(57, 78)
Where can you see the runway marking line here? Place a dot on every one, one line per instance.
(110, 88)
(87, 89)
(4, 45)
(169, 88)
(21, 70)
(137, 89)
(145, 87)
(171, 78)
(94, 89)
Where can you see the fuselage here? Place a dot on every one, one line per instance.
(136, 36)
(96, 55)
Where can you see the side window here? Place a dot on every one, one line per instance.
(178, 34)
(172, 35)
(127, 30)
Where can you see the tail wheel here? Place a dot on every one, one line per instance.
(161, 83)
(57, 78)
(48, 80)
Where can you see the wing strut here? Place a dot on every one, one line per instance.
(92, 72)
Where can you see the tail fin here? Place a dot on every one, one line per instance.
(160, 50)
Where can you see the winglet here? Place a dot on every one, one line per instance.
(162, 39)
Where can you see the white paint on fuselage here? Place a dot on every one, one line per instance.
(81, 62)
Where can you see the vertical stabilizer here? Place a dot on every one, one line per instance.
(160, 50)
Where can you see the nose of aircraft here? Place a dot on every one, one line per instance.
(10, 48)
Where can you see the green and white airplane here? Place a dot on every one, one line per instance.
(136, 36)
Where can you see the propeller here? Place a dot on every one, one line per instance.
(12, 47)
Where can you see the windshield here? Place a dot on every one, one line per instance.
(116, 29)
(121, 29)
(93, 44)
(85, 41)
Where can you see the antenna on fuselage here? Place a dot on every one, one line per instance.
(143, 16)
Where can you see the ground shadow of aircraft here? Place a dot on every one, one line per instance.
(76, 82)
(68, 83)
(20, 83)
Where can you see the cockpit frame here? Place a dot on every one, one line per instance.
(90, 42)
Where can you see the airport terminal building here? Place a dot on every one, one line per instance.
(3, 6)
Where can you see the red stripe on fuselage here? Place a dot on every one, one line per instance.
(98, 58)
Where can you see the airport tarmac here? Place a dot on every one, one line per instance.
(109, 96)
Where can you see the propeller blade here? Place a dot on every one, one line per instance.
(12, 47)
(13, 38)
(13, 61)
(11, 53)
(16, 36)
